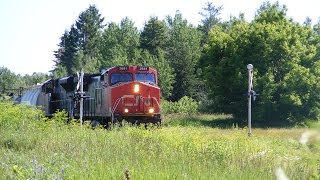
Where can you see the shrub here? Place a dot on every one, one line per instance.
(15, 116)
(184, 105)
(60, 116)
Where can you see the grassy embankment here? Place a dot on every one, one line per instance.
(183, 148)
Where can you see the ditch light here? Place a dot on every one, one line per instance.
(151, 110)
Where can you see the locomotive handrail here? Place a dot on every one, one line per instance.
(114, 108)
(155, 100)
(120, 98)
(157, 103)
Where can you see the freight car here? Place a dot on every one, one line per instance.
(122, 92)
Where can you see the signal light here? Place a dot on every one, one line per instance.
(136, 88)
(151, 110)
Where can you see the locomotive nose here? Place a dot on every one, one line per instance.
(137, 98)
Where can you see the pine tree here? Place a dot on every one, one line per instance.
(89, 25)
(79, 46)
(154, 35)
(183, 53)
(210, 18)
(65, 56)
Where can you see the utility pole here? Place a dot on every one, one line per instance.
(250, 87)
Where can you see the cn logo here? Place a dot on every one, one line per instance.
(136, 99)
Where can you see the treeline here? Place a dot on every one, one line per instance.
(208, 62)
(11, 82)
(172, 46)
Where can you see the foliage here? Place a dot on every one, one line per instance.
(16, 116)
(153, 41)
(284, 53)
(64, 151)
(157, 61)
(210, 18)
(154, 35)
(165, 74)
(65, 55)
(83, 47)
(79, 47)
(284, 57)
(184, 105)
(120, 43)
(223, 69)
(121, 47)
(183, 53)
(12, 84)
(35, 78)
(61, 116)
(8, 80)
(89, 25)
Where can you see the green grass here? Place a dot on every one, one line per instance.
(200, 120)
(180, 149)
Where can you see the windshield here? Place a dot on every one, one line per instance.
(146, 77)
(120, 77)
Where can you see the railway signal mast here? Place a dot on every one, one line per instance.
(81, 94)
(251, 93)
(80, 86)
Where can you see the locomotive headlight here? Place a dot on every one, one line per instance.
(136, 88)
(151, 110)
(126, 110)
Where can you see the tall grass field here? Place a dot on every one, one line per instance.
(184, 147)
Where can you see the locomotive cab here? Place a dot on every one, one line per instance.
(134, 94)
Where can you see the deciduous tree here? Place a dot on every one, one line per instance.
(284, 55)
(8, 79)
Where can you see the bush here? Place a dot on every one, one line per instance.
(16, 116)
(184, 105)
(60, 117)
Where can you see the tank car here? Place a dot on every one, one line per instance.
(122, 92)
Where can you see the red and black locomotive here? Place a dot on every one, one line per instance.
(117, 93)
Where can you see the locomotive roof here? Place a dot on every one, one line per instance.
(88, 75)
(103, 71)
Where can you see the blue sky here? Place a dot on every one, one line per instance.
(30, 29)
